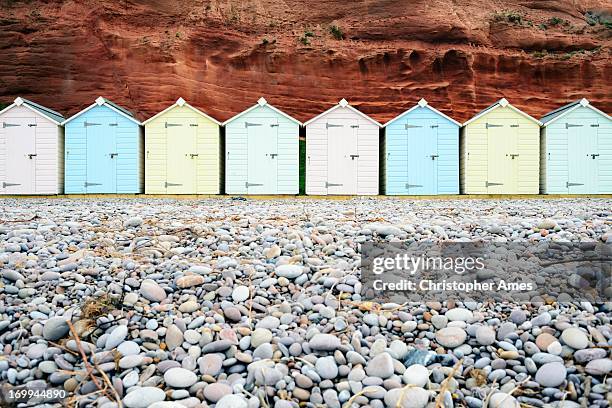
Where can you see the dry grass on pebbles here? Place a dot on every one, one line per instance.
(235, 304)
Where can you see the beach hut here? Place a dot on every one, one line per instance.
(262, 151)
(421, 152)
(500, 150)
(104, 151)
(342, 152)
(31, 149)
(576, 150)
(182, 151)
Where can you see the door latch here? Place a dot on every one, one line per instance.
(434, 156)
(166, 184)
(327, 185)
(92, 184)
(593, 156)
(5, 185)
(113, 155)
(247, 184)
(488, 184)
(273, 155)
(512, 156)
(32, 155)
(491, 125)
(194, 155)
(568, 184)
(413, 185)
(354, 156)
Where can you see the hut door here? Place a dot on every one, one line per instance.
(101, 135)
(342, 158)
(182, 156)
(503, 159)
(262, 139)
(20, 134)
(423, 157)
(582, 158)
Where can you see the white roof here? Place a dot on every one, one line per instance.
(260, 103)
(503, 102)
(422, 104)
(181, 102)
(343, 104)
(45, 112)
(551, 117)
(100, 101)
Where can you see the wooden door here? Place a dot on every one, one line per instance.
(20, 134)
(343, 158)
(262, 158)
(181, 159)
(583, 157)
(101, 175)
(503, 160)
(422, 171)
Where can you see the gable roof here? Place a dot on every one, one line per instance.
(261, 102)
(50, 114)
(422, 104)
(503, 102)
(343, 104)
(100, 101)
(552, 116)
(181, 102)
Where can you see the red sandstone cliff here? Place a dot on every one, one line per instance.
(221, 55)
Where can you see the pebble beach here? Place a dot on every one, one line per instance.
(241, 303)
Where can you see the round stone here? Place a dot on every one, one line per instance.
(380, 366)
(180, 378)
(260, 336)
(503, 400)
(451, 337)
(211, 364)
(544, 340)
(151, 291)
(413, 397)
(240, 293)
(128, 348)
(485, 335)
(55, 328)
(416, 375)
(600, 366)
(551, 374)
(116, 337)
(214, 392)
(575, 338)
(324, 342)
(459, 314)
(232, 401)
(326, 367)
(143, 397)
(289, 271)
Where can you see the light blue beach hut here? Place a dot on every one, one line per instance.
(262, 151)
(103, 151)
(421, 153)
(576, 150)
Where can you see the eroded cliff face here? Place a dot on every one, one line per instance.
(303, 56)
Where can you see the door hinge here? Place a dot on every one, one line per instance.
(166, 184)
(493, 184)
(569, 125)
(32, 155)
(5, 125)
(328, 125)
(92, 184)
(434, 156)
(595, 125)
(247, 184)
(113, 124)
(491, 125)
(87, 124)
(413, 185)
(247, 124)
(354, 156)
(332, 185)
(354, 126)
(514, 125)
(568, 184)
(5, 185)
(407, 126)
(32, 124)
(193, 124)
(172, 124)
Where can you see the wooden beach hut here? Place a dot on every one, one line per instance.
(262, 151)
(500, 150)
(421, 153)
(342, 149)
(31, 149)
(576, 150)
(104, 151)
(182, 151)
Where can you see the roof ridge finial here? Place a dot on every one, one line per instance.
(100, 101)
(584, 102)
(180, 101)
(19, 101)
(343, 102)
(503, 102)
(422, 103)
(262, 101)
